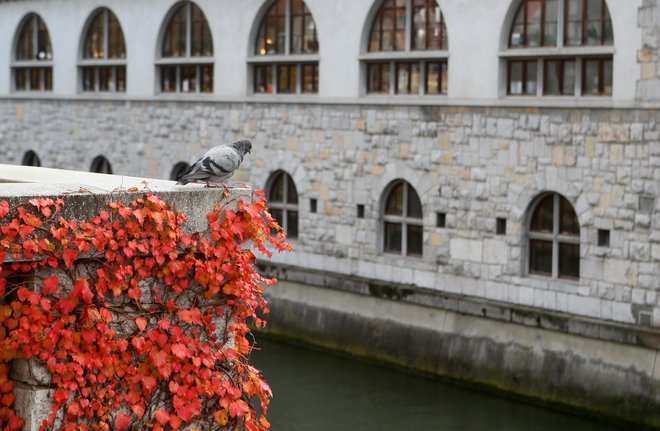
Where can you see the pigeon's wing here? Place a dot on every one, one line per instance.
(220, 161)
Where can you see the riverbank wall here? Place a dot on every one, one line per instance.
(597, 368)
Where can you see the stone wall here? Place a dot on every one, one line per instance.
(475, 164)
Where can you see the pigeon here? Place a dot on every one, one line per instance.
(218, 164)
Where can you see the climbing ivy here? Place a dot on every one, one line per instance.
(140, 325)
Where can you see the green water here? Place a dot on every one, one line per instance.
(318, 391)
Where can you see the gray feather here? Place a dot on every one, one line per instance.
(218, 164)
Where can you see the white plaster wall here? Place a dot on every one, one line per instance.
(474, 30)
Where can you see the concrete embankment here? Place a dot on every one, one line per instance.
(593, 367)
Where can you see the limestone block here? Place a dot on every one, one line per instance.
(33, 404)
(495, 251)
(620, 271)
(466, 249)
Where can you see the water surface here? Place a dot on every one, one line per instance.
(319, 391)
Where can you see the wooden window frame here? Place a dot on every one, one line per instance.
(584, 22)
(404, 220)
(525, 62)
(601, 75)
(28, 67)
(556, 238)
(285, 206)
(181, 62)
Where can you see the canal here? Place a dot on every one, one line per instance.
(319, 391)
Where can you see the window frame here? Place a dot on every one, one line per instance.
(560, 51)
(555, 237)
(404, 219)
(96, 65)
(27, 67)
(409, 54)
(187, 61)
(259, 61)
(285, 206)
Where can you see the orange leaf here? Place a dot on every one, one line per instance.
(141, 323)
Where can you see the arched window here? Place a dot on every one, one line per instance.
(407, 49)
(403, 229)
(560, 48)
(286, 50)
(30, 158)
(101, 165)
(178, 170)
(103, 63)
(186, 55)
(283, 202)
(32, 65)
(554, 238)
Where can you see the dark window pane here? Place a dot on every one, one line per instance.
(168, 79)
(25, 48)
(550, 24)
(48, 78)
(415, 240)
(530, 84)
(394, 204)
(277, 215)
(201, 43)
(573, 22)
(553, 76)
(292, 224)
(407, 78)
(94, 42)
(540, 257)
(188, 79)
(277, 189)
(568, 85)
(608, 32)
(89, 79)
(106, 82)
(607, 77)
(543, 215)
(516, 77)
(392, 237)
(433, 71)
(116, 45)
(568, 222)
(291, 192)
(121, 79)
(263, 79)
(174, 42)
(44, 49)
(414, 204)
(379, 78)
(21, 80)
(594, 22)
(569, 261)
(533, 22)
(206, 73)
(35, 78)
(310, 82)
(286, 78)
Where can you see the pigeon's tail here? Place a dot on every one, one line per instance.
(184, 177)
(182, 182)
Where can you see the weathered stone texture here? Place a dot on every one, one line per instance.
(474, 164)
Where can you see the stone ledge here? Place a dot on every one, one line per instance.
(462, 304)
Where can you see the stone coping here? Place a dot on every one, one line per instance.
(482, 307)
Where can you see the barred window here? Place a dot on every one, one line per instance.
(101, 165)
(282, 198)
(32, 65)
(415, 34)
(30, 158)
(285, 60)
(403, 229)
(186, 62)
(554, 238)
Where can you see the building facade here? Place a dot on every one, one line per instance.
(503, 151)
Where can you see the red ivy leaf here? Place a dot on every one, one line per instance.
(70, 255)
(122, 422)
(141, 323)
(4, 208)
(162, 417)
(179, 350)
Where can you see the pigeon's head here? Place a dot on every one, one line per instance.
(242, 147)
